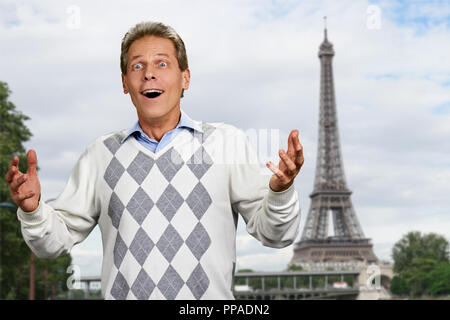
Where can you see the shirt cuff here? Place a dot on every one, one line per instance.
(280, 198)
(34, 217)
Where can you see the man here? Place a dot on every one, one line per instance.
(166, 194)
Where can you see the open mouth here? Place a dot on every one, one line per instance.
(152, 93)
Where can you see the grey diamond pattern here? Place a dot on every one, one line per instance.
(170, 283)
(198, 282)
(115, 209)
(120, 249)
(199, 200)
(113, 172)
(120, 287)
(169, 243)
(140, 205)
(140, 167)
(169, 163)
(113, 143)
(207, 130)
(198, 241)
(169, 202)
(200, 162)
(143, 286)
(141, 246)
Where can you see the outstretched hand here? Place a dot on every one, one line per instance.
(25, 188)
(289, 165)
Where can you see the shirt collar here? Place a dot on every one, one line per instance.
(185, 122)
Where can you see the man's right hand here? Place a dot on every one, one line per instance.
(25, 188)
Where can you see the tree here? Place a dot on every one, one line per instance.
(398, 286)
(413, 246)
(294, 267)
(416, 258)
(51, 277)
(14, 253)
(439, 279)
(416, 276)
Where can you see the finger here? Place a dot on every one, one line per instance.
(291, 144)
(298, 145)
(10, 174)
(298, 152)
(12, 169)
(275, 169)
(288, 162)
(299, 159)
(32, 161)
(18, 182)
(272, 167)
(23, 196)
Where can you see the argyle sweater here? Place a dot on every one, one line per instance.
(168, 220)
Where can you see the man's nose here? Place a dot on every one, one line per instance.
(149, 75)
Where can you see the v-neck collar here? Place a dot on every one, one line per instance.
(178, 139)
(185, 122)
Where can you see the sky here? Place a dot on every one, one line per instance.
(254, 65)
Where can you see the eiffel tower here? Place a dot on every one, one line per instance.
(318, 247)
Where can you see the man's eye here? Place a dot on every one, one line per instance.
(163, 64)
(137, 66)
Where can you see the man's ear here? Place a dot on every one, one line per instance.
(186, 75)
(124, 84)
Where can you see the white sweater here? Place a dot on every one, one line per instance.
(168, 220)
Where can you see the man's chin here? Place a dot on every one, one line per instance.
(154, 111)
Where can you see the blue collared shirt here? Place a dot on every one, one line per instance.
(154, 146)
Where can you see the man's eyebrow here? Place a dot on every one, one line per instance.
(135, 57)
(158, 54)
(162, 54)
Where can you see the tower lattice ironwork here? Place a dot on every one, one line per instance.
(331, 209)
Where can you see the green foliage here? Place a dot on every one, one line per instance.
(294, 267)
(421, 262)
(51, 276)
(302, 282)
(349, 280)
(416, 276)
(254, 283)
(14, 253)
(79, 294)
(439, 279)
(15, 256)
(398, 286)
(12, 133)
(414, 245)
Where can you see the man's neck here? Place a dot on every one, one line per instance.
(156, 128)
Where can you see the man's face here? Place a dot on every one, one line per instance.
(154, 79)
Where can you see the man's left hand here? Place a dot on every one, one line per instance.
(289, 165)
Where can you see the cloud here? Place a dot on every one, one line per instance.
(269, 261)
(88, 255)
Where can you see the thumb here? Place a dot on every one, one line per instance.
(32, 161)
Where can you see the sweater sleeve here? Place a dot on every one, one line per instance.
(55, 227)
(271, 217)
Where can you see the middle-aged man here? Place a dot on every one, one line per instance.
(167, 192)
